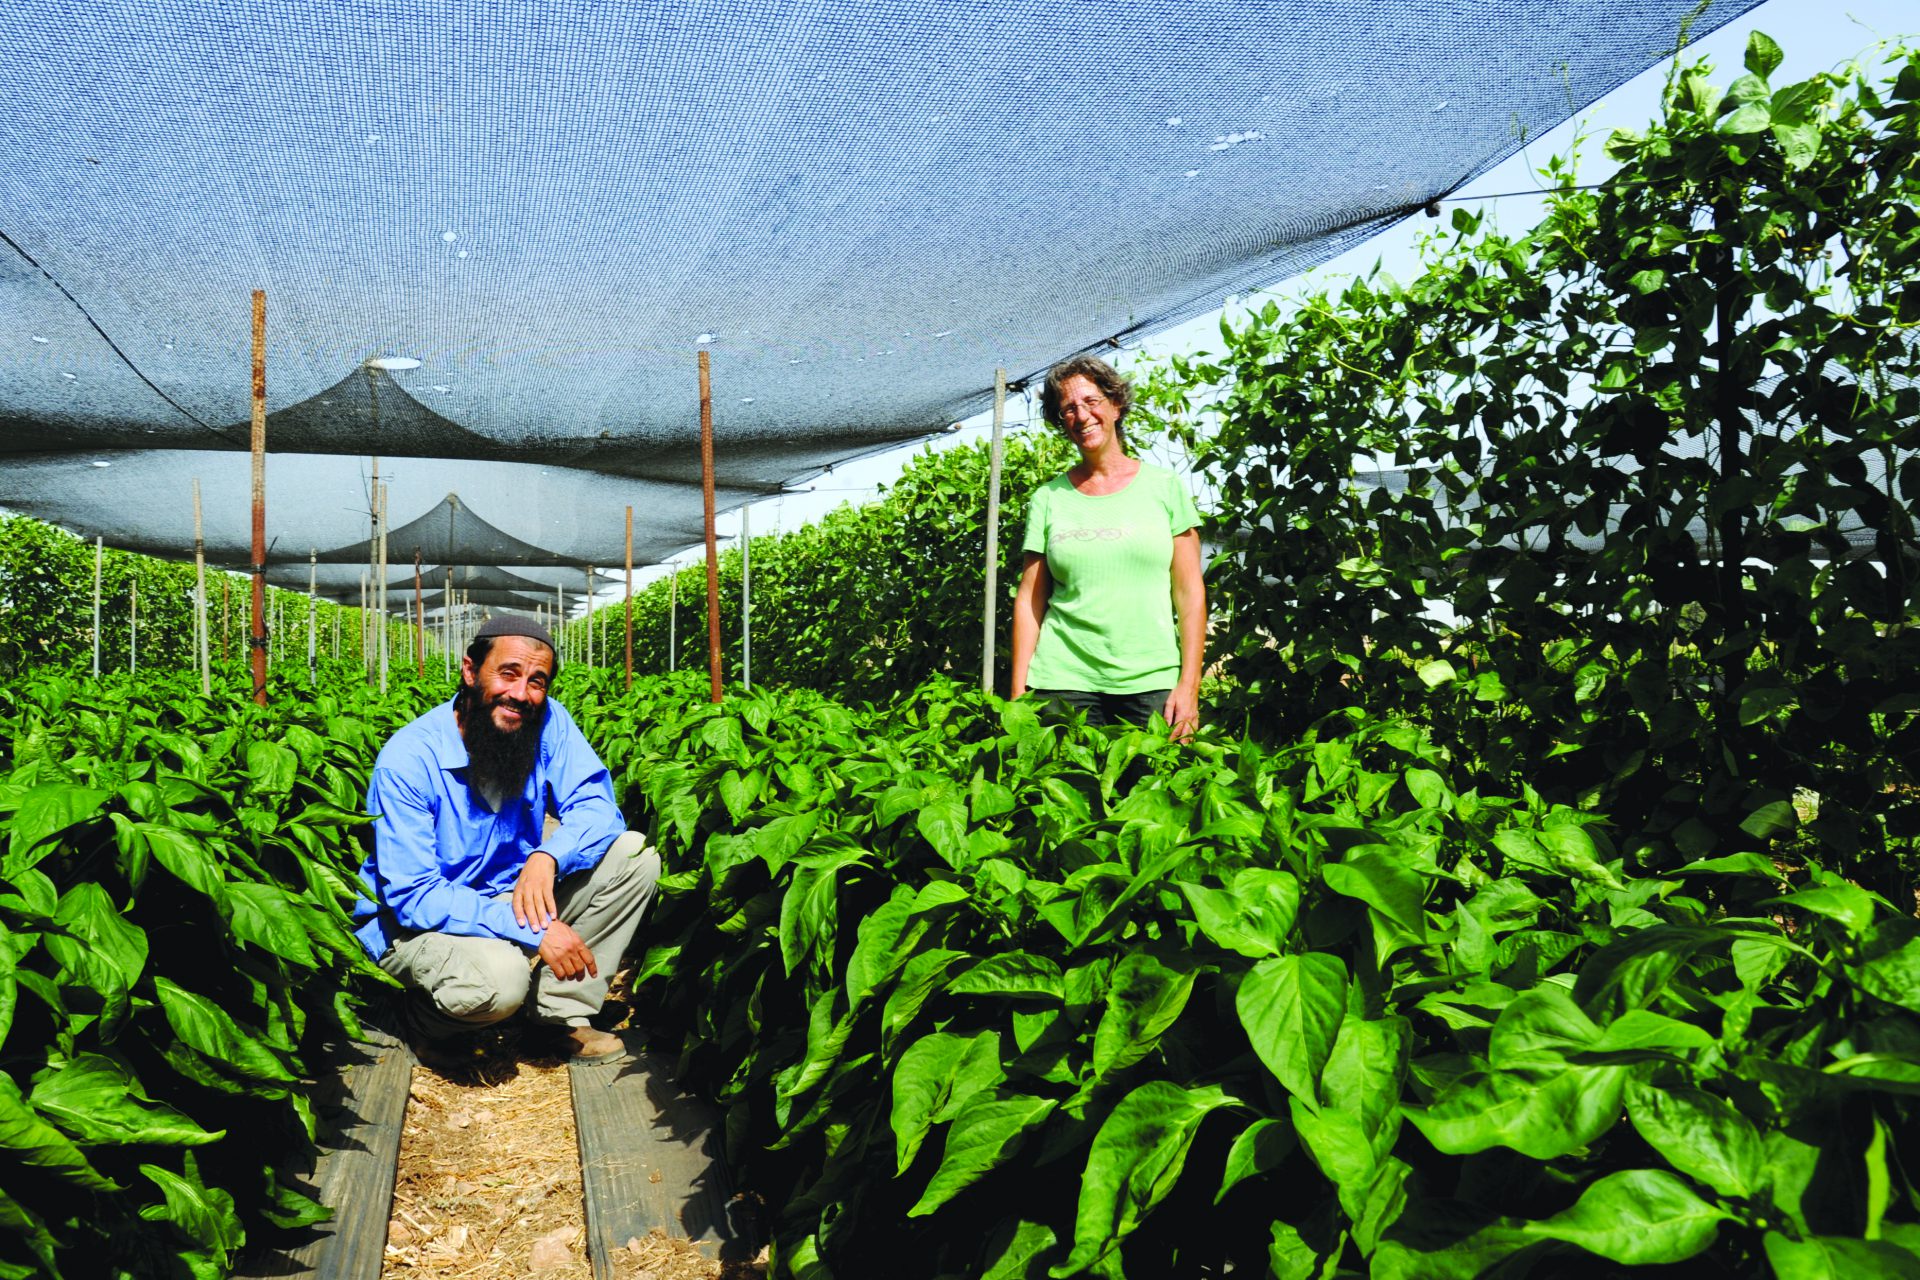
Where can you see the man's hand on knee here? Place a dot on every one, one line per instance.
(533, 902)
(566, 953)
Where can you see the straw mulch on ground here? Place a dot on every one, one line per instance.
(489, 1183)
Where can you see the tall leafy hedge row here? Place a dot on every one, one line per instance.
(173, 948)
(146, 609)
(867, 602)
(988, 996)
(1657, 455)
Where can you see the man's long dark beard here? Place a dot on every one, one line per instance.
(498, 764)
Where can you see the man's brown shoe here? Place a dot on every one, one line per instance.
(590, 1044)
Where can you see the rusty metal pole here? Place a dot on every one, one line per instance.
(706, 498)
(257, 641)
(629, 597)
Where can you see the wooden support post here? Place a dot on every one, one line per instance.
(629, 597)
(257, 641)
(989, 613)
(706, 499)
(99, 562)
(589, 608)
(673, 618)
(366, 667)
(226, 621)
(133, 625)
(446, 618)
(200, 595)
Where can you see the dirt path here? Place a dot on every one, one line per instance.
(489, 1183)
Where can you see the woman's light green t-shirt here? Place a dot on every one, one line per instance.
(1109, 626)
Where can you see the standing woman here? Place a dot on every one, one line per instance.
(1113, 554)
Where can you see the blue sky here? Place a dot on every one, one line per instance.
(1815, 35)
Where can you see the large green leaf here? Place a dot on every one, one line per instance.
(1538, 1030)
(269, 919)
(34, 1142)
(1144, 998)
(186, 856)
(1291, 1008)
(1026, 1244)
(1838, 1258)
(936, 1075)
(943, 822)
(45, 811)
(1639, 1217)
(1887, 964)
(1394, 894)
(98, 1100)
(984, 1135)
(1012, 974)
(1253, 917)
(925, 974)
(1701, 1135)
(1136, 1159)
(271, 767)
(205, 1215)
(1259, 1149)
(1545, 1115)
(205, 1026)
(809, 910)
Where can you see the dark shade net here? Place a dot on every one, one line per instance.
(860, 210)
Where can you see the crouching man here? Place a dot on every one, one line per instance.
(502, 874)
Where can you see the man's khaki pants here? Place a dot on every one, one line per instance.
(475, 982)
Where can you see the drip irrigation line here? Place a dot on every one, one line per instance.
(179, 408)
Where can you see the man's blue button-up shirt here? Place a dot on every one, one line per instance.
(442, 855)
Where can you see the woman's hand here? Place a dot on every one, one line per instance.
(1182, 712)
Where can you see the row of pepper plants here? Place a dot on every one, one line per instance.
(983, 994)
(174, 961)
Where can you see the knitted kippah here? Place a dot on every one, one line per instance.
(508, 624)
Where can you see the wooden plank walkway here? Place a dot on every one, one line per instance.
(652, 1156)
(361, 1111)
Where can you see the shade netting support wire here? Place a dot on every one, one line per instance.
(990, 606)
(200, 595)
(99, 559)
(746, 597)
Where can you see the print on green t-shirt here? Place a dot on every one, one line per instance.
(1109, 625)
